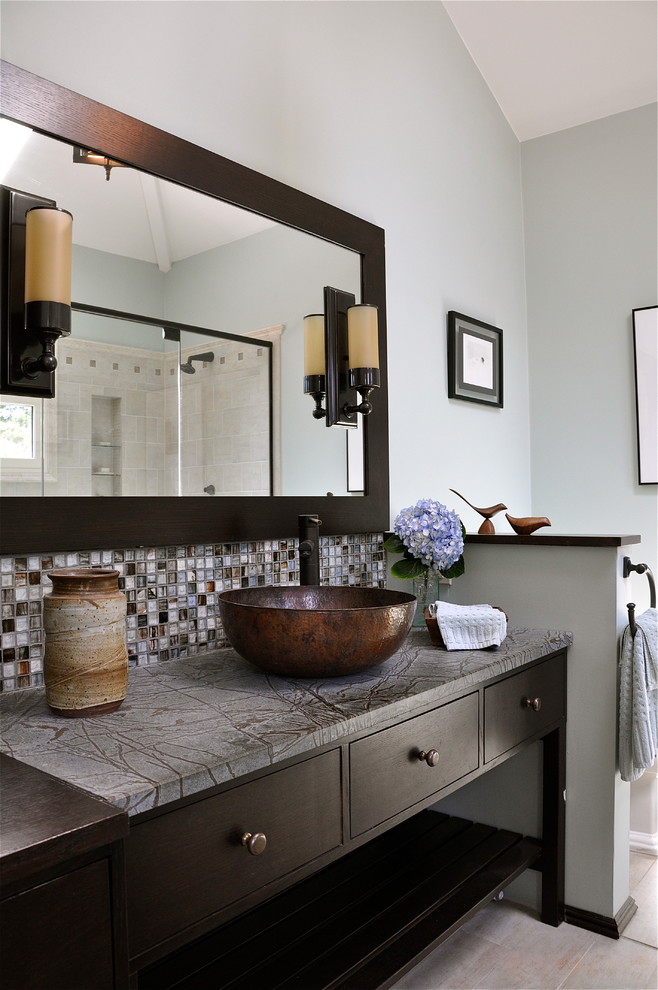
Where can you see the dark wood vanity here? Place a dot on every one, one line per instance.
(325, 869)
(395, 886)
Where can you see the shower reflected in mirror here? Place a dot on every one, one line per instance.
(189, 368)
(125, 421)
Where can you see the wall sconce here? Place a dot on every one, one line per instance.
(36, 282)
(341, 356)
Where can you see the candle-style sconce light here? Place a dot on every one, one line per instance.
(48, 248)
(36, 283)
(363, 352)
(341, 357)
(315, 379)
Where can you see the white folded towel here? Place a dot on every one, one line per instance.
(638, 696)
(470, 627)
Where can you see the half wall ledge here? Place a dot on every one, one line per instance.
(553, 540)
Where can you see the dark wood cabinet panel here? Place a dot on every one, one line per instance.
(190, 863)
(70, 919)
(522, 706)
(63, 823)
(62, 917)
(387, 773)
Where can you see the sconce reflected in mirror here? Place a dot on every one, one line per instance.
(48, 248)
(341, 355)
(314, 361)
(36, 282)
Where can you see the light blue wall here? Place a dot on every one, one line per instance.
(113, 282)
(591, 247)
(109, 280)
(408, 136)
(376, 108)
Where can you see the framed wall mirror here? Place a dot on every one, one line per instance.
(225, 226)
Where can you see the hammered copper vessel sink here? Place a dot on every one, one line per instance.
(316, 631)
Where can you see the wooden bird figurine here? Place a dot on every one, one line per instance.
(487, 526)
(527, 524)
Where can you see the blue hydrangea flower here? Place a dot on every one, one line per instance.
(431, 532)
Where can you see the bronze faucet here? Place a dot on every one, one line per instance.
(309, 549)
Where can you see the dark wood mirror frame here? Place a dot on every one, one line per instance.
(50, 524)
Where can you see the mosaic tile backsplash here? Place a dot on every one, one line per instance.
(171, 593)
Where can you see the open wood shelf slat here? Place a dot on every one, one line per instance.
(362, 920)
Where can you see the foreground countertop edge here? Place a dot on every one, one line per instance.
(140, 795)
(62, 821)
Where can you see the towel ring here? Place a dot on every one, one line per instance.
(629, 567)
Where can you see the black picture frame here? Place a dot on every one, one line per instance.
(645, 353)
(475, 360)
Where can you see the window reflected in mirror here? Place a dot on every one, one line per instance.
(17, 431)
(28, 450)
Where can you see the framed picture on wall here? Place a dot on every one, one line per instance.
(475, 360)
(645, 346)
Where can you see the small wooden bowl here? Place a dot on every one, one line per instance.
(435, 632)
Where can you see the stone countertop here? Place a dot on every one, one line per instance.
(187, 725)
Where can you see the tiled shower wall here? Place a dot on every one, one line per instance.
(171, 593)
(113, 427)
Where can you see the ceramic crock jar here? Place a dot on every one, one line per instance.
(85, 660)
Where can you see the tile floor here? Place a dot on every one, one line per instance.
(505, 947)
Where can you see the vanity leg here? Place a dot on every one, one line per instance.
(552, 861)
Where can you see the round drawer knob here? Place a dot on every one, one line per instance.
(431, 757)
(255, 843)
(534, 703)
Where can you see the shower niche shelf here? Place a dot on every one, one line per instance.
(105, 445)
(106, 469)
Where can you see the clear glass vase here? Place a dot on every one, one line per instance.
(426, 590)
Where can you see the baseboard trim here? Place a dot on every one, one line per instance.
(599, 923)
(644, 842)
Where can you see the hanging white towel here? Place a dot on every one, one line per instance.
(638, 696)
(470, 627)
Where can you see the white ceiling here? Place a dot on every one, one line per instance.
(553, 64)
(550, 64)
(132, 214)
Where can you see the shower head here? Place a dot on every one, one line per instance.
(189, 368)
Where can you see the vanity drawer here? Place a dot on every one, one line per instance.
(386, 773)
(522, 705)
(189, 863)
